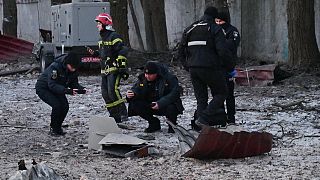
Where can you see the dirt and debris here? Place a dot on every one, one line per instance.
(288, 110)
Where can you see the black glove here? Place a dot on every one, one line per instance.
(122, 70)
(124, 76)
(81, 91)
(186, 68)
(124, 73)
(68, 91)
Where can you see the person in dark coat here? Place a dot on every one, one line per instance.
(112, 52)
(233, 40)
(156, 92)
(59, 79)
(204, 54)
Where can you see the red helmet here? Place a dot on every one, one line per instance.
(104, 18)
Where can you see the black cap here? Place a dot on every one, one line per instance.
(72, 59)
(151, 67)
(211, 11)
(224, 15)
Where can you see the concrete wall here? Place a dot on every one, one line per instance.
(317, 20)
(179, 16)
(1, 17)
(44, 6)
(32, 16)
(262, 24)
(264, 30)
(235, 16)
(132, 30)
(28, 21)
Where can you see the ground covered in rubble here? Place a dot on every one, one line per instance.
(288, 110)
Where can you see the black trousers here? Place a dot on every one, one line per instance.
(202, 78)
(230, 102)
(112, 97)
(59, 105)
(143, 109)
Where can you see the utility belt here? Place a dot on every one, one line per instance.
(111, 66)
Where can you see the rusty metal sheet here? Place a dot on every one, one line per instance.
(11, 48)
(255, 75)
(215, 144)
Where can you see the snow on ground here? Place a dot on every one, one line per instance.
(24, 121)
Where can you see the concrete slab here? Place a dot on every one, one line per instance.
(99, 127)
(115, 138)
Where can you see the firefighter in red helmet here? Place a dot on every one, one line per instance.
(106, 20)
(112, 52)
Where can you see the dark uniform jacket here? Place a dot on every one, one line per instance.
(165, 89)
(112, 50)
(233, 37)
(56, 78)
(203, 45)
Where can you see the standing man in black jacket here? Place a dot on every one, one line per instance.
(204, 54)
(157, 92)
(59, 79)
(112, 52)
(233, 40)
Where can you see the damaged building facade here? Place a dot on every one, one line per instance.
(262, 24)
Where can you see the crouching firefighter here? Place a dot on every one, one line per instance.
(112, 52)
(156, 92)
(59, 79)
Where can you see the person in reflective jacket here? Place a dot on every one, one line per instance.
(112, 52)
(233, 40)
(59, 79)
(156, 92)
(204, 54)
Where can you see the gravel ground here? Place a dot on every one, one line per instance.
(24, 121)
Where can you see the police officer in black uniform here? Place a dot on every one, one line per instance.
(112, 52)
(233, 40)
(204, 54)
(156, 92)
(59, 79)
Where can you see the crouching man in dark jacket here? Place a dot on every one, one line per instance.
(59, 79)
(157, 92)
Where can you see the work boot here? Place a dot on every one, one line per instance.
(201, 122)
(231, 120)
(56, 132)
(154, 125)
(174, 121)
(194, 126)
(152, 128)
(219, 119)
